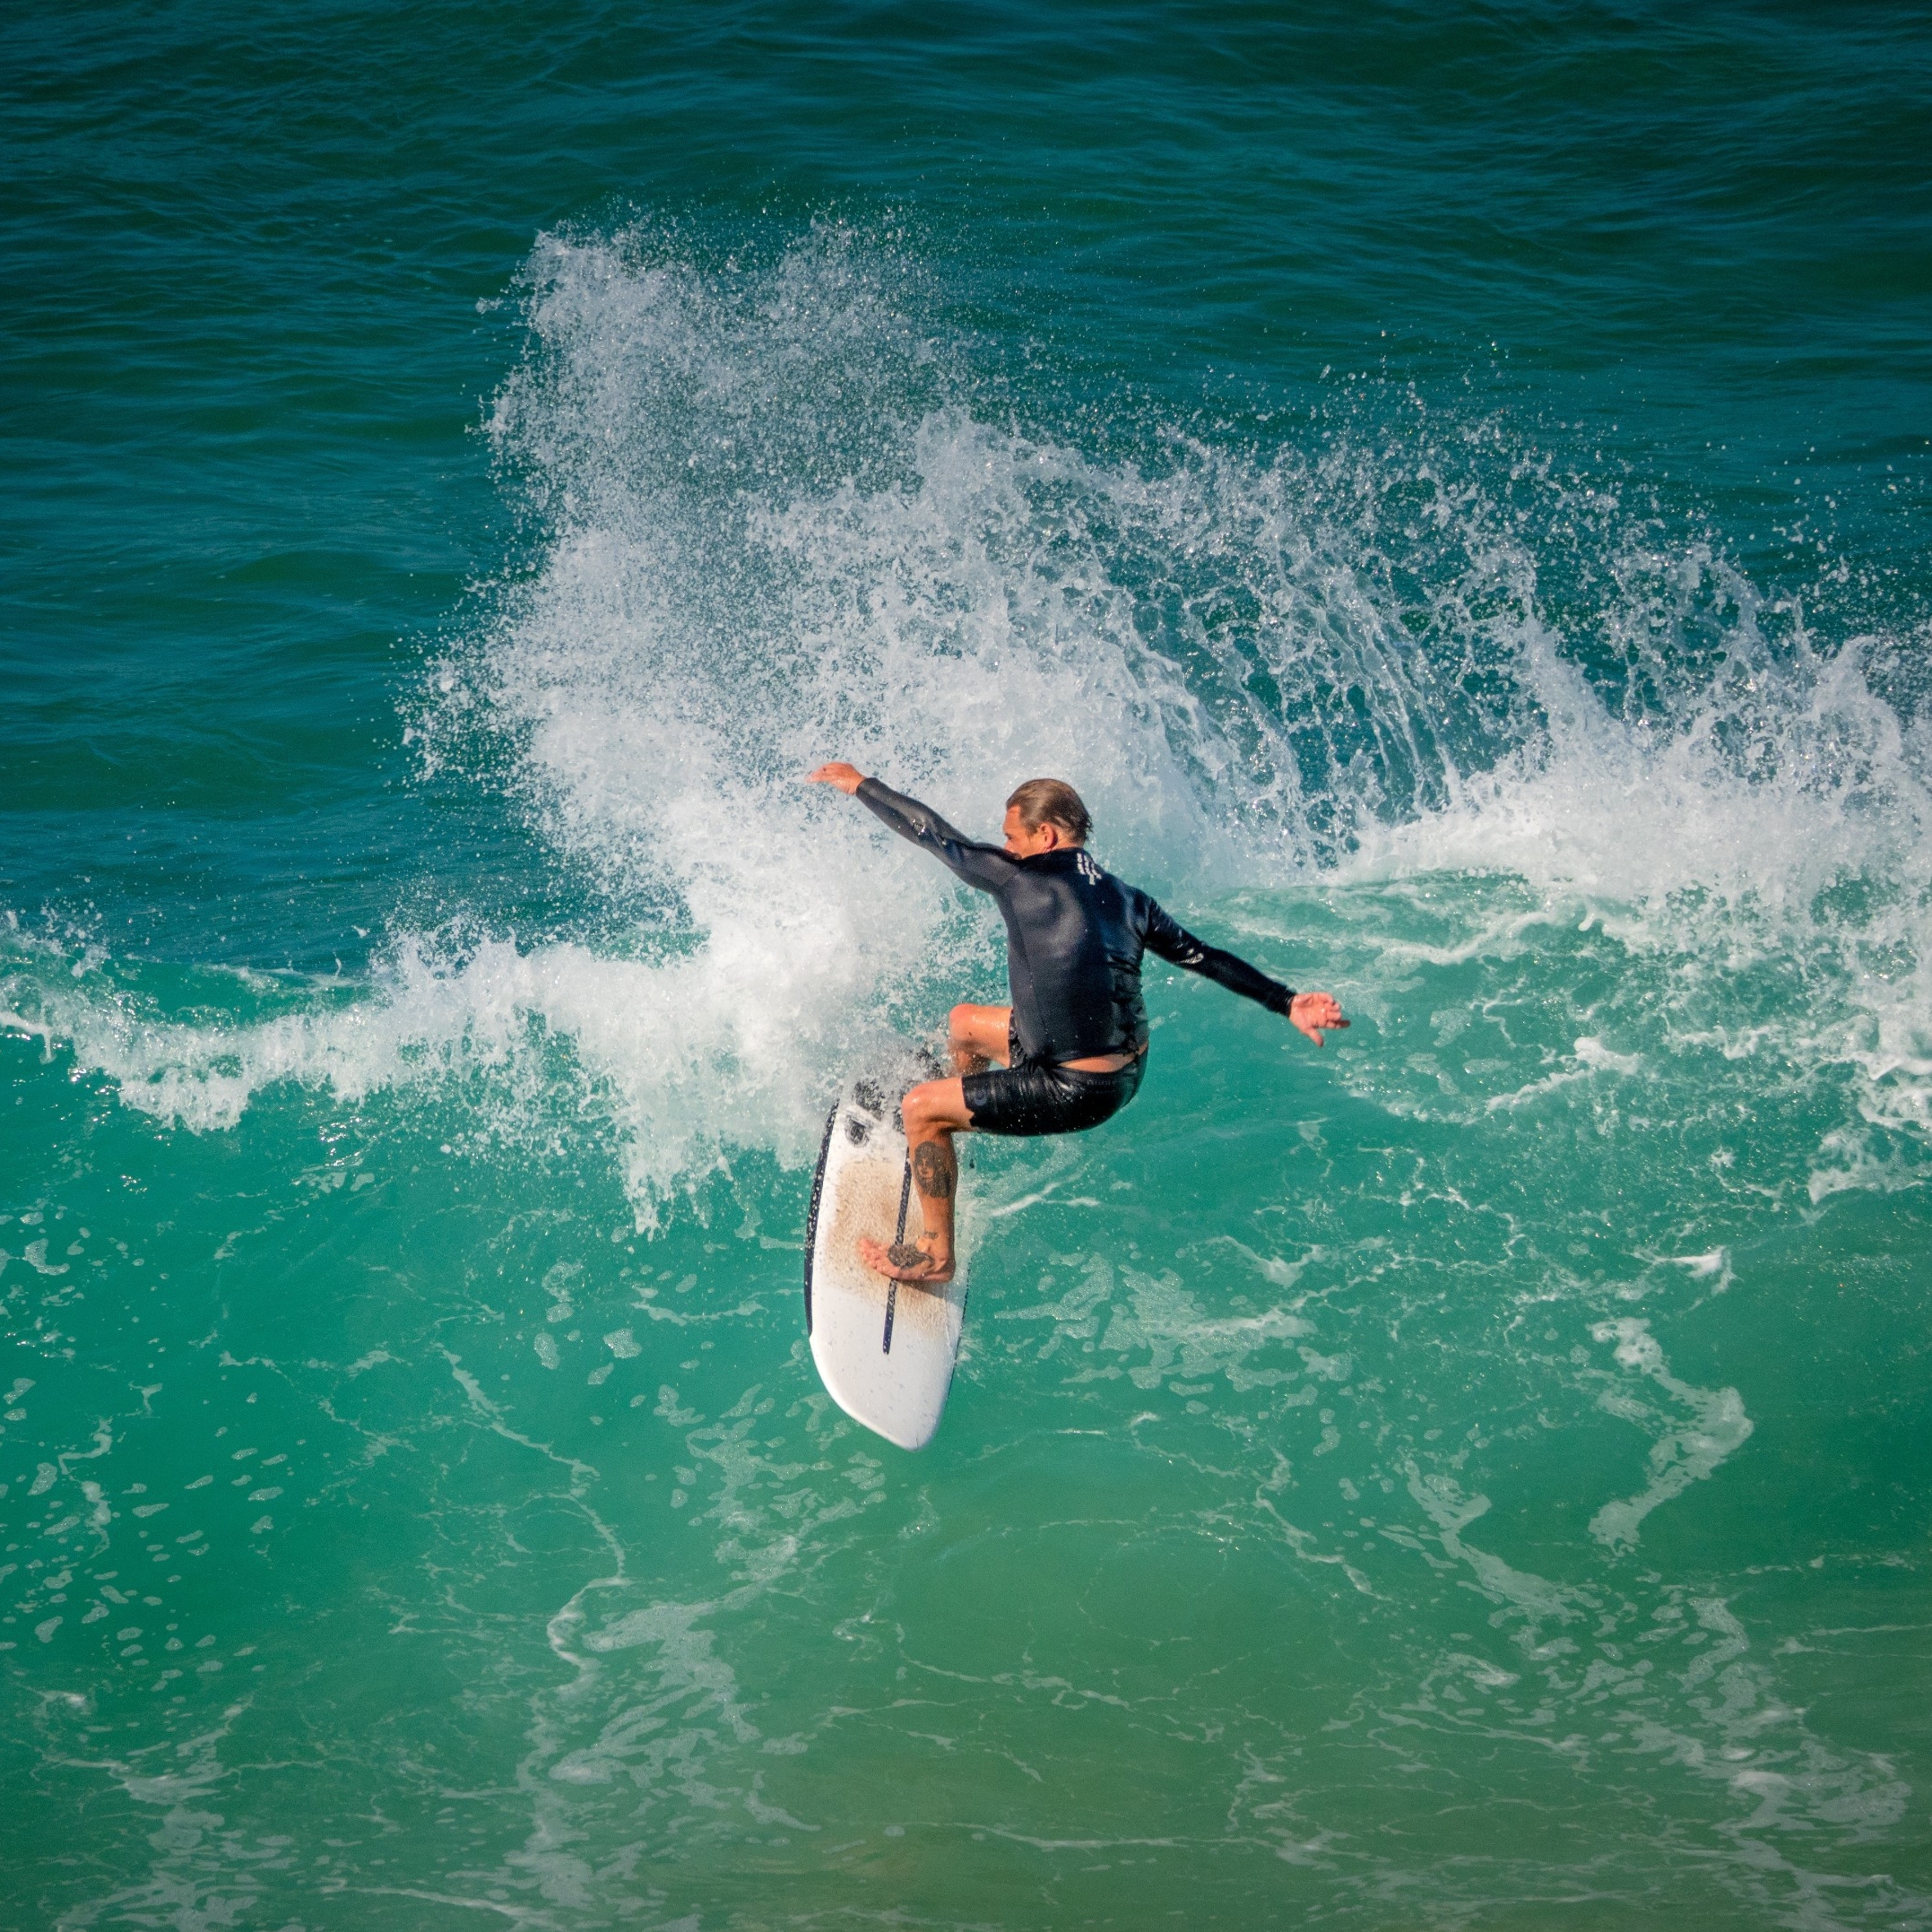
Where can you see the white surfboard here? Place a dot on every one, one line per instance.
(884, 1349)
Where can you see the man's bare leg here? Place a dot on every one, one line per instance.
(977, 1036)
(933, 1112)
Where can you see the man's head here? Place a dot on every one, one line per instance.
(1044, 815)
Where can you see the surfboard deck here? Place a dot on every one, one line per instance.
(885, 1350)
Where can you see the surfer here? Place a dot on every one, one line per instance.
(1071, 1047)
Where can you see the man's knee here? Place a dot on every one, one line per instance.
(959, 1022)
(932, 1108)
(918, 1108)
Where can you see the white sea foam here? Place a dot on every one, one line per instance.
(1681, 1454)
(748, 573)
(680, 1054)
(777, 527)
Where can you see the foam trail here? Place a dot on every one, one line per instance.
(650, 1041)
(1679, 1457)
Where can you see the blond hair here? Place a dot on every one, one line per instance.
(1051, 801)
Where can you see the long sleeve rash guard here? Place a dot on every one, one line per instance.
(1075, 937)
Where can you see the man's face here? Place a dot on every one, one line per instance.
(1024, 842)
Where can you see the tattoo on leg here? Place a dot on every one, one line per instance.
(935, 1170)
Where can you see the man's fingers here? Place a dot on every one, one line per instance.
(1314, 1014)
(848, 779)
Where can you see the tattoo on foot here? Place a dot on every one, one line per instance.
(933, 1168)
(905, 1254)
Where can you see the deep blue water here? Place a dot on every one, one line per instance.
(1450, 484)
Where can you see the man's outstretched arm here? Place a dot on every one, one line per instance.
(985, 866)
(1309, 1013)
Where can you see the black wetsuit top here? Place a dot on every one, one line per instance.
(1075, 935)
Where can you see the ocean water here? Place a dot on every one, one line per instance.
(1449, 483)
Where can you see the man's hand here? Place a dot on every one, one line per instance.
(1311, 1012)
(848, 779)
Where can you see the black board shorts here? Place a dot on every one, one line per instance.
(1028, 1099)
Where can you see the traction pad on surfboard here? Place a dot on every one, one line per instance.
(894, 1077)
(886, 1357)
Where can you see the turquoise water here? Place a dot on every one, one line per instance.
(1450, 484)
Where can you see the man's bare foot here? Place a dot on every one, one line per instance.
(904, 1260)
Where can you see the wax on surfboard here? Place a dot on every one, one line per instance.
(884, 1349)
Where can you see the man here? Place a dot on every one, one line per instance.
(1074, 1042)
